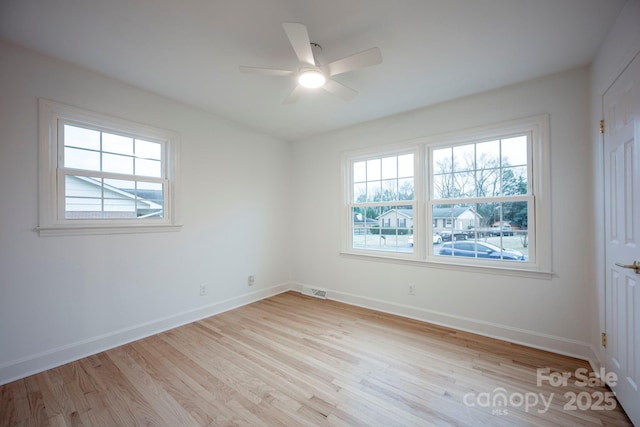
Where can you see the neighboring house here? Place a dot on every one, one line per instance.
(86, 198)
(361, 224)
(457, 218)
(396, 218)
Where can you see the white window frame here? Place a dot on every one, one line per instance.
(51, 180)
(365, 155)
(539, 197)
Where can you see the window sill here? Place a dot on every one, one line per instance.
(524, 271)
(81, 230)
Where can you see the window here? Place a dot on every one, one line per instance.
(381, 198)
(485, 201)
(100, 174)
(482, 189)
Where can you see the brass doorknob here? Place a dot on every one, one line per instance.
(635, 266)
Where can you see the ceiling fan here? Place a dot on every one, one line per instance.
(311, 74)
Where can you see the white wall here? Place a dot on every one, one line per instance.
(616, 52)
(548, 313)
(63, 297)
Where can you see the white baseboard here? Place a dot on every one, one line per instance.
(34, 364)
(595, 361)
(560, 345)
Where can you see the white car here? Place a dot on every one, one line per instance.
(437, 239)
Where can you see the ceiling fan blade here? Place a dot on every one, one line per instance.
(359, 60)
(340, 90)
(299, 39)
(266, 71)
(294, 95)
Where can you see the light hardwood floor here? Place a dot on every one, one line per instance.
(293, 360)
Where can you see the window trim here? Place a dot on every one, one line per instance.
(347, 171)
(51, 221)
(539, 168)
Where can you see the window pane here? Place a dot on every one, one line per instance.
(360, 192)
(117, 144)
(80, 137)
(516, 215)
(488, 215)
(150, 202)
(484, 231)
(389, 190)
(117, 164)
(82, 186)
(514, 151)
(81, 159)
(83, 197)
(478, 170)
(487, 182)
(373, 170)
(117, 208)
(146, 167)
(383, 228)
(359, 171)
(488, 155)
(128, 188)
(148, 149)
(442, 160)
(442, 186)
(374, 191)
(405, 166)
(463, 158)
(381, 179)
(405, 189)
(83, 208)
(95, 198)
(454, 221)
(389, 167)
(514, 181)
(464, 184)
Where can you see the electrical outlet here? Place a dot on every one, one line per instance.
(203, 289)
(412, 289)
(251, 280)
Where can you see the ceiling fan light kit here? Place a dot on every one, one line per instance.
(311, 79)
(313, 75)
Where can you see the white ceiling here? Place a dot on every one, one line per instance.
(433, 50)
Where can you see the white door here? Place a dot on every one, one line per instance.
(622, 232)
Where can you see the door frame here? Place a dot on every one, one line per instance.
(600, 244)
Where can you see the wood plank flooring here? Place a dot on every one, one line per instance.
(293, 360)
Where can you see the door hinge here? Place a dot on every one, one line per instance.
(602, 126)
(604, 339)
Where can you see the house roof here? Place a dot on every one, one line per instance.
(454, 212)
(432, 50)
(408, 213)
(144, 195)
(437, 212)
(360, 219)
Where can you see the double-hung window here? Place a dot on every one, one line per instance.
(472, 198)
(382, 201)
(102, 174)
(482, 192)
